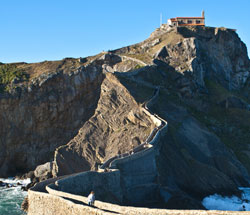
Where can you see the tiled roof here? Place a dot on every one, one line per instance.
(175, 19)
(190, 18)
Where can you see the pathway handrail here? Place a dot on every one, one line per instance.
(107, 163)
(153, 137)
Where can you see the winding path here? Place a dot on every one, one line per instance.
(49, 199)
(133, 59)
(149, 141)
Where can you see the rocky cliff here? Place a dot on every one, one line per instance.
(118, 126)
(47, 112)
(80, 112)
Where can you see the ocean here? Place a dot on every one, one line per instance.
(11, 198)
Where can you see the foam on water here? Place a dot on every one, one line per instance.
(11, 198)
(217, 202)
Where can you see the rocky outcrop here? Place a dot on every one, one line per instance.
(44, 115)
(44, 171)
(209, 53)
(118, 126)
(193, 148)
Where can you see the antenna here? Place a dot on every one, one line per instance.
(160, 19)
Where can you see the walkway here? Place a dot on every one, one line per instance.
(145, 145)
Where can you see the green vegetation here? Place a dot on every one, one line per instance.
(217, 91)
(231, 125)
(143, 57)
(138, 66)
(8, 73)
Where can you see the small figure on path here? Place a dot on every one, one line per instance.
(243, 208)
(91, 198)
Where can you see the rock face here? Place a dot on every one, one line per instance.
(44, 115)
(44, 171)
(80, 116)
(193, 148)
(118, 126)
(214, 53)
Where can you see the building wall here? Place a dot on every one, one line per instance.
(190, 21)
(187, 22)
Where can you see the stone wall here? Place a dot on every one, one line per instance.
(105, 184)
(47, 204)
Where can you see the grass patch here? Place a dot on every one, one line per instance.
(138, 66)
(140, 56)
(8, 73)
(216, 91)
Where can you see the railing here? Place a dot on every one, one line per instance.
(152, 138)
(55, 188)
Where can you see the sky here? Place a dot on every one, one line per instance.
(39, 30)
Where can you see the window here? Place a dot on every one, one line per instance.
(198, 21)
(190, 21)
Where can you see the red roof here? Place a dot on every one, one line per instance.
(189, 18)
(175, 19)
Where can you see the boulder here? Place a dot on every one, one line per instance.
(110, 59)
(44, 171)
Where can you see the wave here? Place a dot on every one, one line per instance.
(11, 197)
(218, 202)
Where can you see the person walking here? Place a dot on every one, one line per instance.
(91, 198)
(243, 208)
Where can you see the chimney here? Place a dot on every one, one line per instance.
(203, 14)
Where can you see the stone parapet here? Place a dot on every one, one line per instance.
(48, 204)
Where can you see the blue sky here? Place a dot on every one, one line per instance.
(39, 30)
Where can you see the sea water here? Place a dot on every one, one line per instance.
(217, 202)
(12, 197)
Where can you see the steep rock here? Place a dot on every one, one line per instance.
(118, 125)
(37, 118)
(197, 161)
(213, 53)
(193, 162)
